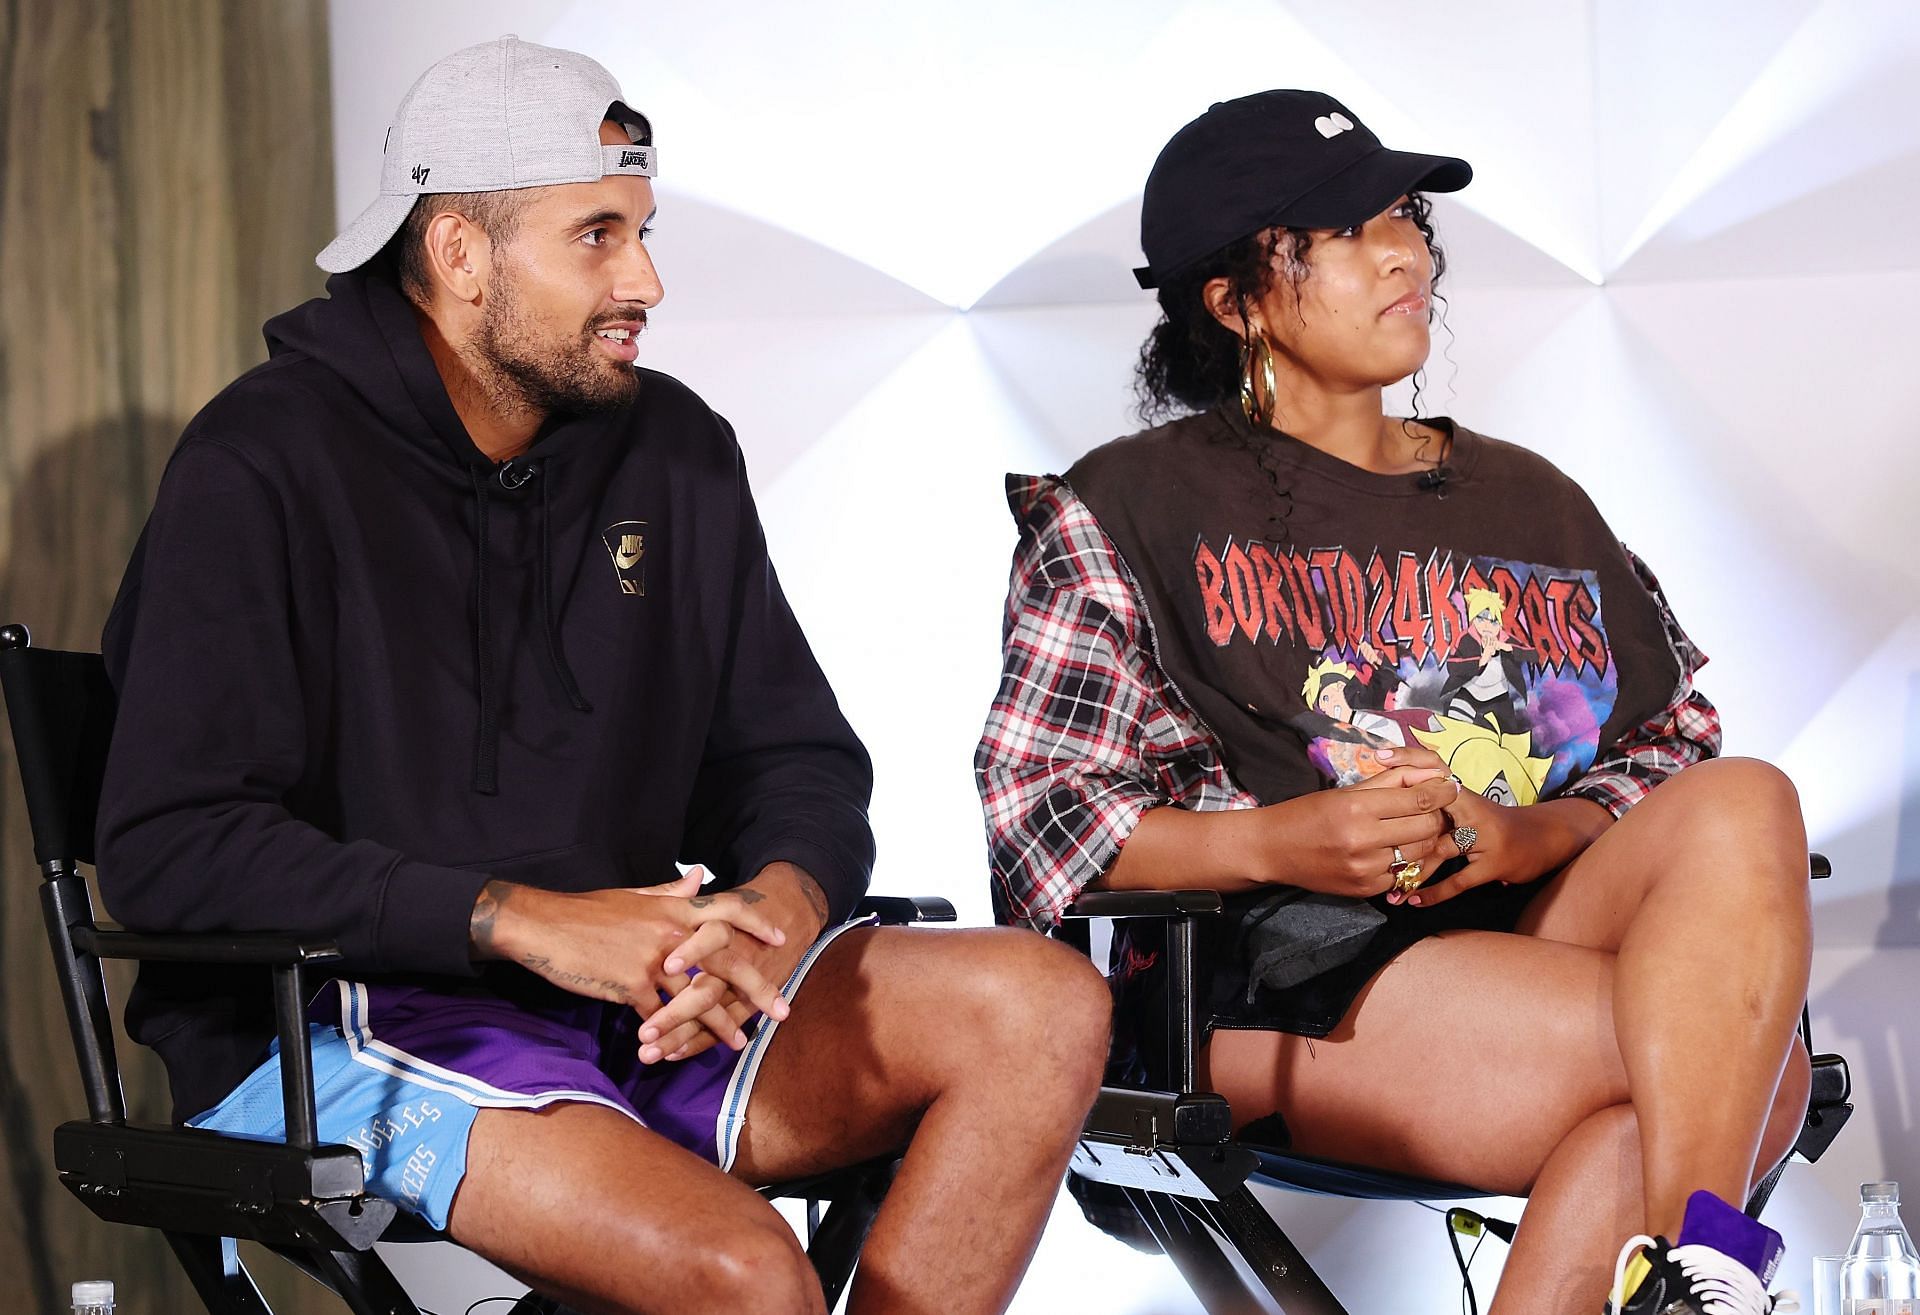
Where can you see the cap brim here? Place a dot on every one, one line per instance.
(1371, 184)
(1354, 195)
(371, 230)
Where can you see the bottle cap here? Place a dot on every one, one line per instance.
(93, 1292)
(1880, 1192)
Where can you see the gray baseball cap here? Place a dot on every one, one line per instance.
(491, 118)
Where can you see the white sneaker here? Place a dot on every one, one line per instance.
(1692, 1280)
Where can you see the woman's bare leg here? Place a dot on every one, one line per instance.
(1525, 1081)
(1479, 1058)
(1701, 892)
(1586, 1201)
(1487, 1059)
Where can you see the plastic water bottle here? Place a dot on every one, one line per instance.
(1881, 1274)
(93, 1297)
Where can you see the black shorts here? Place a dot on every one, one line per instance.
(1311, 1008)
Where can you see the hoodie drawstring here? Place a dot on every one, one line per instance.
(486, 749)
(555, 650)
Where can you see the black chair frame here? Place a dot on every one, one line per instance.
(1171, 1157)
(203, 1190)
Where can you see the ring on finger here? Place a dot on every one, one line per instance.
(1399, 860)
(1407, 879)
(1464, 837)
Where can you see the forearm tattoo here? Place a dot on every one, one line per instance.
(602, 988)
(816, 896)
(493, 897)
(746, 897)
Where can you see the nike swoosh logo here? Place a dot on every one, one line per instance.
(625, 560)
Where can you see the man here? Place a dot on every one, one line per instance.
(450, 633)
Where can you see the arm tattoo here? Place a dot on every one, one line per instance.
(746, 897)
(580, 983)
(816, 896)
(493, 896)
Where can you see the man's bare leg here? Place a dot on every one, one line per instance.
(979, 1051)
(582, 1203)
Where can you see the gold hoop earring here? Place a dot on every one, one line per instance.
(1256, 374)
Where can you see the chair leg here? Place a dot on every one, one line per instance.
(359, 1278)
(535, 1304)
(1196, 1254)
(1204, 1239)
(833, 1245)
(1271, 1255)
(1763, 1190)
(213, 1267)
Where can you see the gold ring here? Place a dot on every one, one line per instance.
(1407, 879)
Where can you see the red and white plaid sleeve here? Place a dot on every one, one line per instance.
(1685, 732)
(1085, 734)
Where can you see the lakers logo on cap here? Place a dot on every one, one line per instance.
(627, 544)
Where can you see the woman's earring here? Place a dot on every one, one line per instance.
(1258, 386)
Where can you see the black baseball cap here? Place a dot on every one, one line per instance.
(1299, 159)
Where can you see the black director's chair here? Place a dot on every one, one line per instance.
(1161, 1169)
(206, 1191)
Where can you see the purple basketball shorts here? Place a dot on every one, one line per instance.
(401, 1071)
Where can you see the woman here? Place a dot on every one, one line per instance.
(1599, 983)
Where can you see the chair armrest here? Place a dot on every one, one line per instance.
(1143, 904)
(268, 948)
(286, 954)
(1178, 909)
(1818, 867)
(899, 910)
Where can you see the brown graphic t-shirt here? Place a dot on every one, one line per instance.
(1316, 614)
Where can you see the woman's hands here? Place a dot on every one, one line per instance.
(1343, 842)
(1512, 845)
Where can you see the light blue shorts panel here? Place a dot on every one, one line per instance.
(412, 1138)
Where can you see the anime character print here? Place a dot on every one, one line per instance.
(1501, 667)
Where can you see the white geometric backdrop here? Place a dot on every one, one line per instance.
(896, 242)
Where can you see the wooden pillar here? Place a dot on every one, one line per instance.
(165, 181)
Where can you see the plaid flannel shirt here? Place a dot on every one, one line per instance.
(1087, 733)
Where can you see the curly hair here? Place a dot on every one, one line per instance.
(1190, 361)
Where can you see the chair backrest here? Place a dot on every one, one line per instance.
(60, 708)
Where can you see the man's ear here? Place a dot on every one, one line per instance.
(458, 254)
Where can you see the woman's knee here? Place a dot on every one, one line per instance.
(1734, 811)
(1739, 793)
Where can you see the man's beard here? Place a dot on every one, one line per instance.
(524, 368)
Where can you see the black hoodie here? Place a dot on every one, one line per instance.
(362, 670)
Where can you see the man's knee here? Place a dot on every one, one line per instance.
(1034, 996)
(756, 1267)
